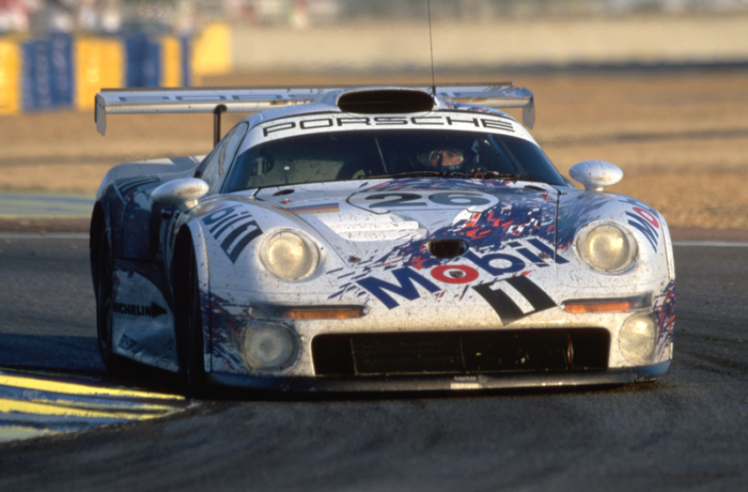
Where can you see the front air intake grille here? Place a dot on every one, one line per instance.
(466, 352)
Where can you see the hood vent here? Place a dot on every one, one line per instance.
(447, 248)
(386, 101)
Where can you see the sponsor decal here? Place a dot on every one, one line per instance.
(320, 208)
(404, 288)
(644, 219)
(454, 274)
(514, 298)
(137, 310)
(495, 264)
(126, 343)
(233, 228)
(484, 122)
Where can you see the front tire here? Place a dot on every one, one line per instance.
(105, 306)
(188, 323)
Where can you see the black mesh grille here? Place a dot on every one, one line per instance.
(465, 352)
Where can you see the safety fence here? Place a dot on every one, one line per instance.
(63, 71)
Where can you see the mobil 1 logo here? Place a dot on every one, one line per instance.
(233, 228)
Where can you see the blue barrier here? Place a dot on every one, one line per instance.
(143, 61)
(186, 65)
(47, 73)
(51, 77)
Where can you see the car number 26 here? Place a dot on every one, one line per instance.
(383, 202)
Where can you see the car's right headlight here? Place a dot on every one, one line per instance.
(637, 338)
(269, 346)
(607, 247)
(289, 255)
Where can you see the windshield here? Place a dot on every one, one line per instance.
(340, 156)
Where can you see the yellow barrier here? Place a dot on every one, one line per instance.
(10, 77)
(171, 61)
(99, 64)
(211, 51)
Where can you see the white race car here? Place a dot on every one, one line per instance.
(386, 238)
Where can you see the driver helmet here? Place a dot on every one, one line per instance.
(443, 158)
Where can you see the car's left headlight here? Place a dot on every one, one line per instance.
(289, 255)
(607, 247)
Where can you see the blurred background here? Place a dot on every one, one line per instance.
(658, 87)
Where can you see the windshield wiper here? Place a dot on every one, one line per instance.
(455, 175)
(498, 175)
(409, 174)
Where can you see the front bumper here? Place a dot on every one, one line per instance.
(444, 382)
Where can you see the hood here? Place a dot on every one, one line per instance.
(409, 213)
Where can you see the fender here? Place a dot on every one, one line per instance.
(195, 230)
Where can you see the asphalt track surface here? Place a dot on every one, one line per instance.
(685, 432)
(45, 205)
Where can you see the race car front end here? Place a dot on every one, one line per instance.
(537, 291)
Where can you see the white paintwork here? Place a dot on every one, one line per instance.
(147, 338)
(363, 238)
(596, 175)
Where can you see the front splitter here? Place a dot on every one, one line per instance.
(444, 382)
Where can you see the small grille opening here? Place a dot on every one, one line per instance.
(468, 352)
(386, 101)
(447, 248)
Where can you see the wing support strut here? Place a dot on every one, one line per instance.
(221, 108)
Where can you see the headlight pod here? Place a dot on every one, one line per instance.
(269, 347)
(289, 255)
(607, 247)
(637, 339)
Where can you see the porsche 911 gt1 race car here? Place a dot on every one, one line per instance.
(386, 238)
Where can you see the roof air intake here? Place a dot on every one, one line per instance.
(386, 101)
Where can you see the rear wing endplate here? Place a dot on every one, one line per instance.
(241, 100)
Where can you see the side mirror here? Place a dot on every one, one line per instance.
(596, 175)
(182, 193)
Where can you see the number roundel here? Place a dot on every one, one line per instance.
(459, 199)
(421, 200)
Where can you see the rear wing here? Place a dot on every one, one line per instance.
(243, 100)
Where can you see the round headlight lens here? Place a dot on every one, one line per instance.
(269, 346)
(637, 339)
(290, 256)
(607, 248)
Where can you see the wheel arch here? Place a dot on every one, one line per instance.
(99, 227)
(190, 235)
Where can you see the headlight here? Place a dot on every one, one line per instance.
(289, 255)
(637, 339)
(607, 247)
(269, 346)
